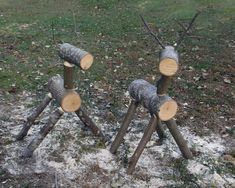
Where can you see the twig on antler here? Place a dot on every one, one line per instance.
(149, 30)
(186, 30)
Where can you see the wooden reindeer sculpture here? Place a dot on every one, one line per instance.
(62, 90)
(156, 100)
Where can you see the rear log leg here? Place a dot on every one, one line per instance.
(144, 140)
(33, 116)
(53, 119)
(121, 133)
(179, 139)
(90, 124)
(160, 131)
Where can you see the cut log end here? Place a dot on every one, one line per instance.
(168, 67)
(86, 61)
(71, 102)
(168, 110)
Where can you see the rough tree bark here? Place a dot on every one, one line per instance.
(121, 133)
(75, 56)
(146, 94)
(53, 119)
(179, 139)
(90, 124)
(30, 120)
(69, 100)
(160, 130)
(144, 140)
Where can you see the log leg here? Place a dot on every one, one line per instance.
(144, 140)
(180, 141)
(160, 131)
(33, 116)
(90, 124)
(53, 119)
(129, 116)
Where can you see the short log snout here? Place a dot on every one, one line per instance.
(146, 94)
(75, 56)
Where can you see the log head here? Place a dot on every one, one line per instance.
(75, 56)
(169, 61)
(71, 101)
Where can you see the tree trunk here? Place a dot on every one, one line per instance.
(75, 56)
(90, 124)
(179, 139)
(30, 120)
(146, 94)
(121, 133)
(163, 84)
(144, 140)
(69, 100)
(53, 119)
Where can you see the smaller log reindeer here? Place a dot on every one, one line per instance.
(62, 90)
(156, 100)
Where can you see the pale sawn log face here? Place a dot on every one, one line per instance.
(75, 56)
(169, 61)
(69, 100)
(146, 94)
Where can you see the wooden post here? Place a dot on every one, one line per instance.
(129, 116)
(179, 139)
(30, 120)
(69, 100)
(144, 140)
(146, 94)
(75, 56)
(68, 75)
(90, 124)
(53, 119)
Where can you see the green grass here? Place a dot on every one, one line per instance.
(30, 31)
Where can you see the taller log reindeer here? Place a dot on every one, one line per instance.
(62, 90)
(156, 100)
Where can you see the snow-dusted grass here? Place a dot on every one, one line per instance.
(77, 158)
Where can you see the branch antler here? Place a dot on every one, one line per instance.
(149, 30)
(186, 30)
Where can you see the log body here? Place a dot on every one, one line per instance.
(75, 56)
(169, 61)
(69, 100)
(146, 94)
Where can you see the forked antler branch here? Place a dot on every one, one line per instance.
(149, 30)
(186, 30)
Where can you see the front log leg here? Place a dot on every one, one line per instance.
(53, 119)
(90, 124)
(121, 133)
(144, 140)
(179, 139)
(30, 120)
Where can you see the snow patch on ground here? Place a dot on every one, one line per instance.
(74, 156)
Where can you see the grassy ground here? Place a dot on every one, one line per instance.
(112, 31)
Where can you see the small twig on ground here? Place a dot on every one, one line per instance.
(149, 30)
(75, 24)
(52, 29)
(56, 180)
